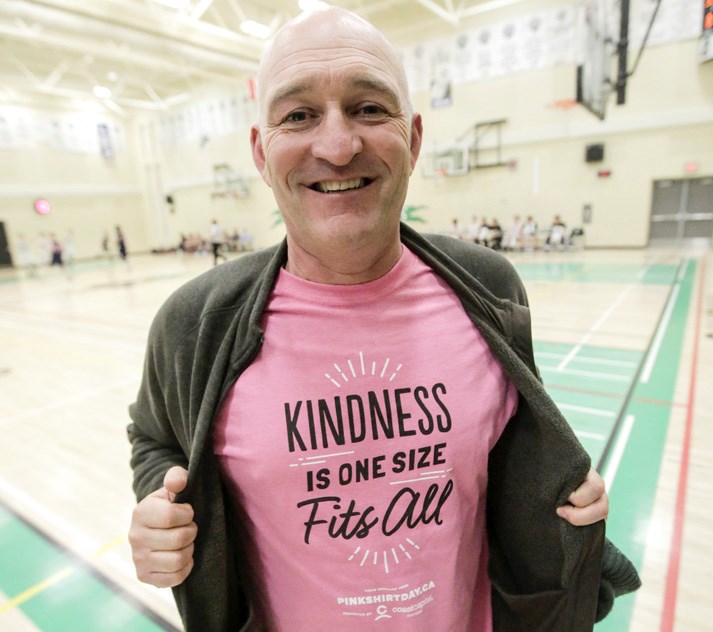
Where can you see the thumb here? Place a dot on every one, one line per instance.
(175, 481)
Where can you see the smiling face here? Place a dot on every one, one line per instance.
(337, 143)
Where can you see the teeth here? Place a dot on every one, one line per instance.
(328, 187)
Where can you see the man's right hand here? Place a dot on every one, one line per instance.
(162, 534)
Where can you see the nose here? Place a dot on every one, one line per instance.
(337, 138)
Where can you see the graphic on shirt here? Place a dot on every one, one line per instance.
(417, 478)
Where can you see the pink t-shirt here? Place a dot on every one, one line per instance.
(357, 446)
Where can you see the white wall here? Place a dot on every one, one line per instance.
(187, 175)
(88, 194)
(666, 122)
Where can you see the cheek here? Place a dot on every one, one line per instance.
(279, 153)
(403, 132)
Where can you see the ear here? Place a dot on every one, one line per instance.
(416, 138)
(259, 154)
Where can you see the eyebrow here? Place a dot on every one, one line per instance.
(365, 83)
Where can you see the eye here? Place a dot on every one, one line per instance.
(371, 110)
(299, 116)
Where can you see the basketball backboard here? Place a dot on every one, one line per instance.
(594, 57)
(228, 182)
(446, 160)
(706, 53)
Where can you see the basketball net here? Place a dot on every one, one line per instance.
(563, 104)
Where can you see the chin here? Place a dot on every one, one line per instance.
(360, 230)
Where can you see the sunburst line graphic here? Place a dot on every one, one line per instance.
(383, 556)
(342, 377)
(385, 365)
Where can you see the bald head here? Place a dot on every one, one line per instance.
(323, 34)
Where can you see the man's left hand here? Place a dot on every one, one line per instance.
(589, 503)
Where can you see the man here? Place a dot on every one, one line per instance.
(348, 430)
(557, 235)
(217, 238)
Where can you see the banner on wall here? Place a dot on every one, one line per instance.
(76, 132)
(526, 42)
(203, 120)
(537, 40)
(106, 147)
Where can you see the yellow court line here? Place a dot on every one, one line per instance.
(36, 589)
(50, 581)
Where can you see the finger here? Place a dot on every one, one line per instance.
(591, 490)
(582, 516)
(168, 561)
(166, 580)
(175, 480)
(164, 539)
(157, 513)
(171, 539)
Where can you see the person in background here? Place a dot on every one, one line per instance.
(456, 229)
(106, 254)
(474, 229)
(512, 240)
(557, 235)
(121, 244)
(529, 234)
(495, 237)
(56, 251)
(217, 239)
(347, 429)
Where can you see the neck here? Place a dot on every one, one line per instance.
(337, 267)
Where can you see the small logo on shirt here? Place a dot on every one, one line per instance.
(390, 601)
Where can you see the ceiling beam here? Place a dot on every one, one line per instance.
(442, 13)
(175, 61)
(200, 9)
(116, 15)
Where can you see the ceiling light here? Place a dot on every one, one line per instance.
(102, 92)
(112, 76)
(250, 27)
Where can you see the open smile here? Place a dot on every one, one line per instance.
(337, 186)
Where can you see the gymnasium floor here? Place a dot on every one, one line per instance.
(624, 342)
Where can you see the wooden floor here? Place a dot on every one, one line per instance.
(624, 340)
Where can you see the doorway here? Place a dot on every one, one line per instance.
(5, 256)
(682, 209)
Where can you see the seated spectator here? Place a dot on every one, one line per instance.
(557, 235)
(512, 240)
(495, 238)
(474, 229)
(456, 230)
(483, 234)
(529, 234)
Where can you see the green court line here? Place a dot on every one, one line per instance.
(632, 494)
(656, 274)
(633, 491)
(79, 600)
